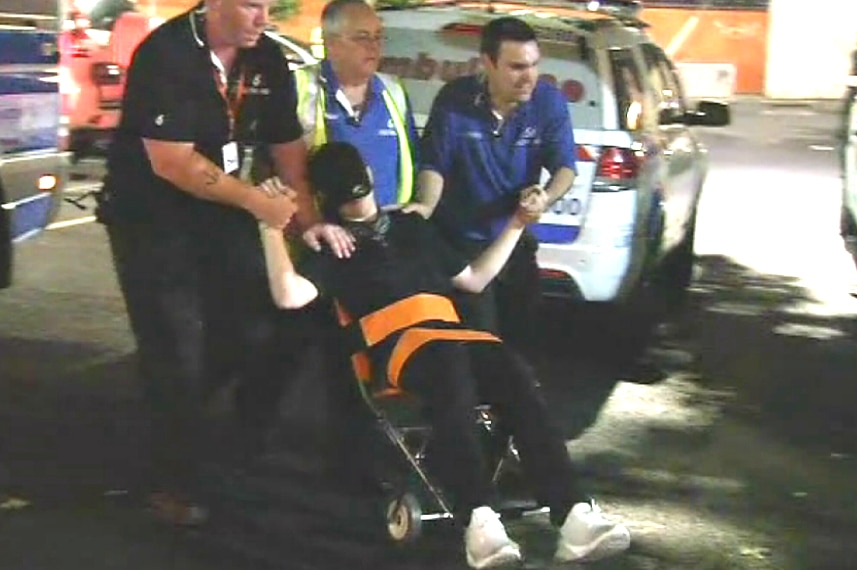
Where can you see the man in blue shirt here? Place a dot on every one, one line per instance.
(346, 99)
(486, 142)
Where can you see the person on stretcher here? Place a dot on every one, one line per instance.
(396, 285)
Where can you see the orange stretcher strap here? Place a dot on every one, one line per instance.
(400, 315)
(406, 313)
(413, 339)
(362, 366)
(359, 360)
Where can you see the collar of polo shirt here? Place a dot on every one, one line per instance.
(197, 24)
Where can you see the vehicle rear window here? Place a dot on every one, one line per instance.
(628, 86)
(425, 60)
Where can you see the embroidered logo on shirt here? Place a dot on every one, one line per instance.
(159, 120)
(528, 137)
(257, 86)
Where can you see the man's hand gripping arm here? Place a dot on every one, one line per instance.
(180, 164)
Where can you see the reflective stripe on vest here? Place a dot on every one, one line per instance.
(312, 102)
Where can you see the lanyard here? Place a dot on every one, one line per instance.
(233, 101)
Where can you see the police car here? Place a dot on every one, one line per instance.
(848, 224)
(32, 135)
(629, 219)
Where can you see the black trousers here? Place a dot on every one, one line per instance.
(451, 379)
(202, 316)
(508, 305)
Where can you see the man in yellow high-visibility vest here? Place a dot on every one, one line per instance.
(345, 98)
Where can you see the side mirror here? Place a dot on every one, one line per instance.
(668, 116)
(710, 114)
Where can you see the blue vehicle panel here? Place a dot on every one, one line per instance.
(32, 162)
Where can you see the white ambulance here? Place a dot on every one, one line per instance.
(629, 219)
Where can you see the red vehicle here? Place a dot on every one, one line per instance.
(96, 44)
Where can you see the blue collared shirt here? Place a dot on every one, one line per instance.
(373, 133)
(485, 164)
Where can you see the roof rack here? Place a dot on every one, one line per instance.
(618, 8)
(625, 11)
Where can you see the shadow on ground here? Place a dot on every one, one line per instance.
(724, 437)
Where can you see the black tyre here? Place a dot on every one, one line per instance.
(404, 518)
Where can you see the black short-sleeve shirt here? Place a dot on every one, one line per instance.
(172, 94)
(412, 258)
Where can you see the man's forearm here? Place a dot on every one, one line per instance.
(200, 177)
(307, 214)
(559, 184)
(429, 189)
(290, 161)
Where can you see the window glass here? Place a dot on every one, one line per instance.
(665, 84)
(631, 101)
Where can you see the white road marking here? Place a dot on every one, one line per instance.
(71, 223)
(681, 37)
(821, 147)
(792, 111)
(81, 188)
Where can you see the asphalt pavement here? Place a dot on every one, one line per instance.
(725, 438)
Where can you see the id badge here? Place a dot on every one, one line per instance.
(230, 157)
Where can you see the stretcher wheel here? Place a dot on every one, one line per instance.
(404, 518)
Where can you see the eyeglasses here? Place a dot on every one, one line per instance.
(366, 40)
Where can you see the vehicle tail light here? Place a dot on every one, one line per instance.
(553, 274)
(619, 163)
(106, 74)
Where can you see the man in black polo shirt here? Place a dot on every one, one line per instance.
(183, 224)
(397, 284)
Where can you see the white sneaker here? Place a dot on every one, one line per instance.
(586, 535)
(486, 543)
